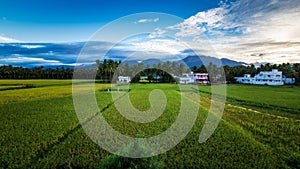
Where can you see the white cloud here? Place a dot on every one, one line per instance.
(147, 20)
(148, 47)
(24, 59)
(159, 46)
(157, 33)
(201, 22)
(240, 29)
(32, 46)
(4, 39)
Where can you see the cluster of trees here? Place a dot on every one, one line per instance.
(105, 71)
(108, 69)
(10, 72)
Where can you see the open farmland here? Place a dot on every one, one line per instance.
(278, 99)
(39, 128)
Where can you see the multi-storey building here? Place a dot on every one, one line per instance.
(274, 78)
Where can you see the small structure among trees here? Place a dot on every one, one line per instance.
(123, 80)
(193, 78)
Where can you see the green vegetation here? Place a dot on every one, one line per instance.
(39, 127)
(160, 72)
(106, 70)
(270, 114)
(283, 100)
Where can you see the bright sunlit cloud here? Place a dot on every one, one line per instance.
(32, 46)
(4, 39)
(240, 29)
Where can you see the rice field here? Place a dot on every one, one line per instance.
(260, 127)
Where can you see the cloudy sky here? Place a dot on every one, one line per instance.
(53, 32)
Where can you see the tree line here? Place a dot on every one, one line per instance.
(10, 72)
(107, 70)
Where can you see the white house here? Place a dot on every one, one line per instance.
(247, 79)
(185, 79)
(193, 78)
(123, 79)
(273, 78)
(201, 78)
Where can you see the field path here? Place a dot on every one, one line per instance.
(255, 111)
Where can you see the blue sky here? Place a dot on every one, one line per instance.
(77, 20)
(251, 31)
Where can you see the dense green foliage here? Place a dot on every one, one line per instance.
(106, 70)
(39, 128)
(10, 72)
(103, 71)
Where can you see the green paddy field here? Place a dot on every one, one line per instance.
(260, 127)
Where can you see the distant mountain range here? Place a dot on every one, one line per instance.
(190, 61)
(205, 60)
